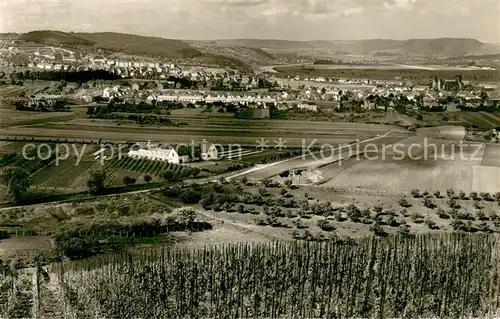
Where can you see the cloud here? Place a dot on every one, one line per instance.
(285, 19)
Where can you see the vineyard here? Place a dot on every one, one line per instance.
(16, 294)
(144, 166)
(446, 276)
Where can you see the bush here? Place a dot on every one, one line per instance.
(496, 196)
(431, 224)
(190, 196)
(378, 208)
(168, 176)
(437, 194)
(442, 214)
(147, 178)
(261, 221)
(429, 203)
(487, 196)
(378, 230)
(96, 183)
(127, 180)
(391, 221)
(354, 213)
(482, 216)
(474, 196)
(325, 225)
(404, 230)
(415, 193)
(453, 203)
(462, 196)
(450, 193)
(465, 216)
(417, 218)
(338, 217)
(478, 205)
(459, 225)
(403, 202)
(263, 192)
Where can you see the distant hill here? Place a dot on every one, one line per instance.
(145, 46)
(249, 55)
(422, 47)
(54, 38)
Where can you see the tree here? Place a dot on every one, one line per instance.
(323, 224)
(147, 178)
(17, 180)
(283, 192)
(168, 176)
(96, 183)
(353, 212)
(415, 193)
(190, 196)
(184, 215)
(450, 193)
(127, 180)
(403, 202)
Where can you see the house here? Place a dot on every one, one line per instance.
(209, 151)
(308, 106)
(151, 98)
(368, 105)
(135, 87)
(106, 93)
(156, 153)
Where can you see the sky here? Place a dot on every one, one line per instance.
(261, 19)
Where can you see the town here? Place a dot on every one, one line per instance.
(152, 177)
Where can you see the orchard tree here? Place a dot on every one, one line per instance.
(96, 183)
(17, 180)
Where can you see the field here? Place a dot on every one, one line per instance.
(69, 174)
(118, 168)
(222, 131)
(480, 119)
(330, 154)
(384, 74)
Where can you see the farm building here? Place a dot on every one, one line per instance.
(209, 151)
(158, 154)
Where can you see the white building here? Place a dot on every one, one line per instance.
(106, 93)
(209, 152)
(307, 106)
(156, 154)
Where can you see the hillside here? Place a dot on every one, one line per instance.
(420, 47)
(249, 55)
(149, 46)
(54, 38)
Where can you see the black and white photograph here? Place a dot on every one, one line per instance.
(264, 159)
